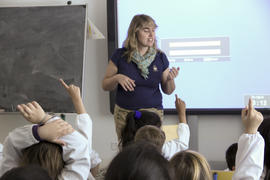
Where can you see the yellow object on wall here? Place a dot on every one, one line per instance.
(170, 132)
(223, 175)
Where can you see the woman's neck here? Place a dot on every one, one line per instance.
(143, 50)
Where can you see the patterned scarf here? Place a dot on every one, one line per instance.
(143, 62)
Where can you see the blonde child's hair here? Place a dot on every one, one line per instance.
(190, 165)
(131, 41)
(152, 134)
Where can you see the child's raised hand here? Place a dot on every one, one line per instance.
(181, 109)
(251, 118)
(52, 131)
(73, 91)
(33, 112)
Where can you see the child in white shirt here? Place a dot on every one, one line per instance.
(75, 149)
(157, 136)
(190, 165)
(75, 169)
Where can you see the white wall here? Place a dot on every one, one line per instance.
(215, 133)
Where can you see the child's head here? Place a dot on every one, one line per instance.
(151, 134)
(190, 165)
(45, 154)
(230, 156)
(26, 173)
(136, 120)
(140, 160)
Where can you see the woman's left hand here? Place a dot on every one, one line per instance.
(173, 73)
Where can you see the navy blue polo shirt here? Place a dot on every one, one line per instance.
(147, 91)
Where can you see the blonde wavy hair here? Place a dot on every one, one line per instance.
(190, 165)
(131, 42)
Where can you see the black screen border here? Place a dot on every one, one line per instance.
(112, 35)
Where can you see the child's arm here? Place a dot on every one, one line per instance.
(1, 152)
(83, 121)
(76, 157)
(176, 145)
(75, 151)
(182, 142)
(250, 153)
(74, 93)
(22, 137)
(95, 162)
(12, 154)
(183, 128)
(181, 109)
(33, 113)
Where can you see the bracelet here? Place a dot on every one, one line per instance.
(35, 132)
(43, 120)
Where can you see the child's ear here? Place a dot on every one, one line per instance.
(233, 168)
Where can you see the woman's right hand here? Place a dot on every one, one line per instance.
(126, 83)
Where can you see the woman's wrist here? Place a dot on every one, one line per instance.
(116, 78)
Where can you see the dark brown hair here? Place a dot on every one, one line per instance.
(134, 123)
(139, 161)
(231, 155)
(26, 172)
(45, 154)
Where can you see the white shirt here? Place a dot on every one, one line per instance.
(1, 152)
(176, 145)
(249, 157)
(85, 127)
(75, 153)
(263, 173)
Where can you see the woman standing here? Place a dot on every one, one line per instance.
(137, 70)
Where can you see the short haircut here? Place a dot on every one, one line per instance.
(152, 134)
(134, 122)
(230, 155)
(26, 173)
(140, 160)
(190, 165)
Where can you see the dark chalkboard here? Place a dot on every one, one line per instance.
(39, 45)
